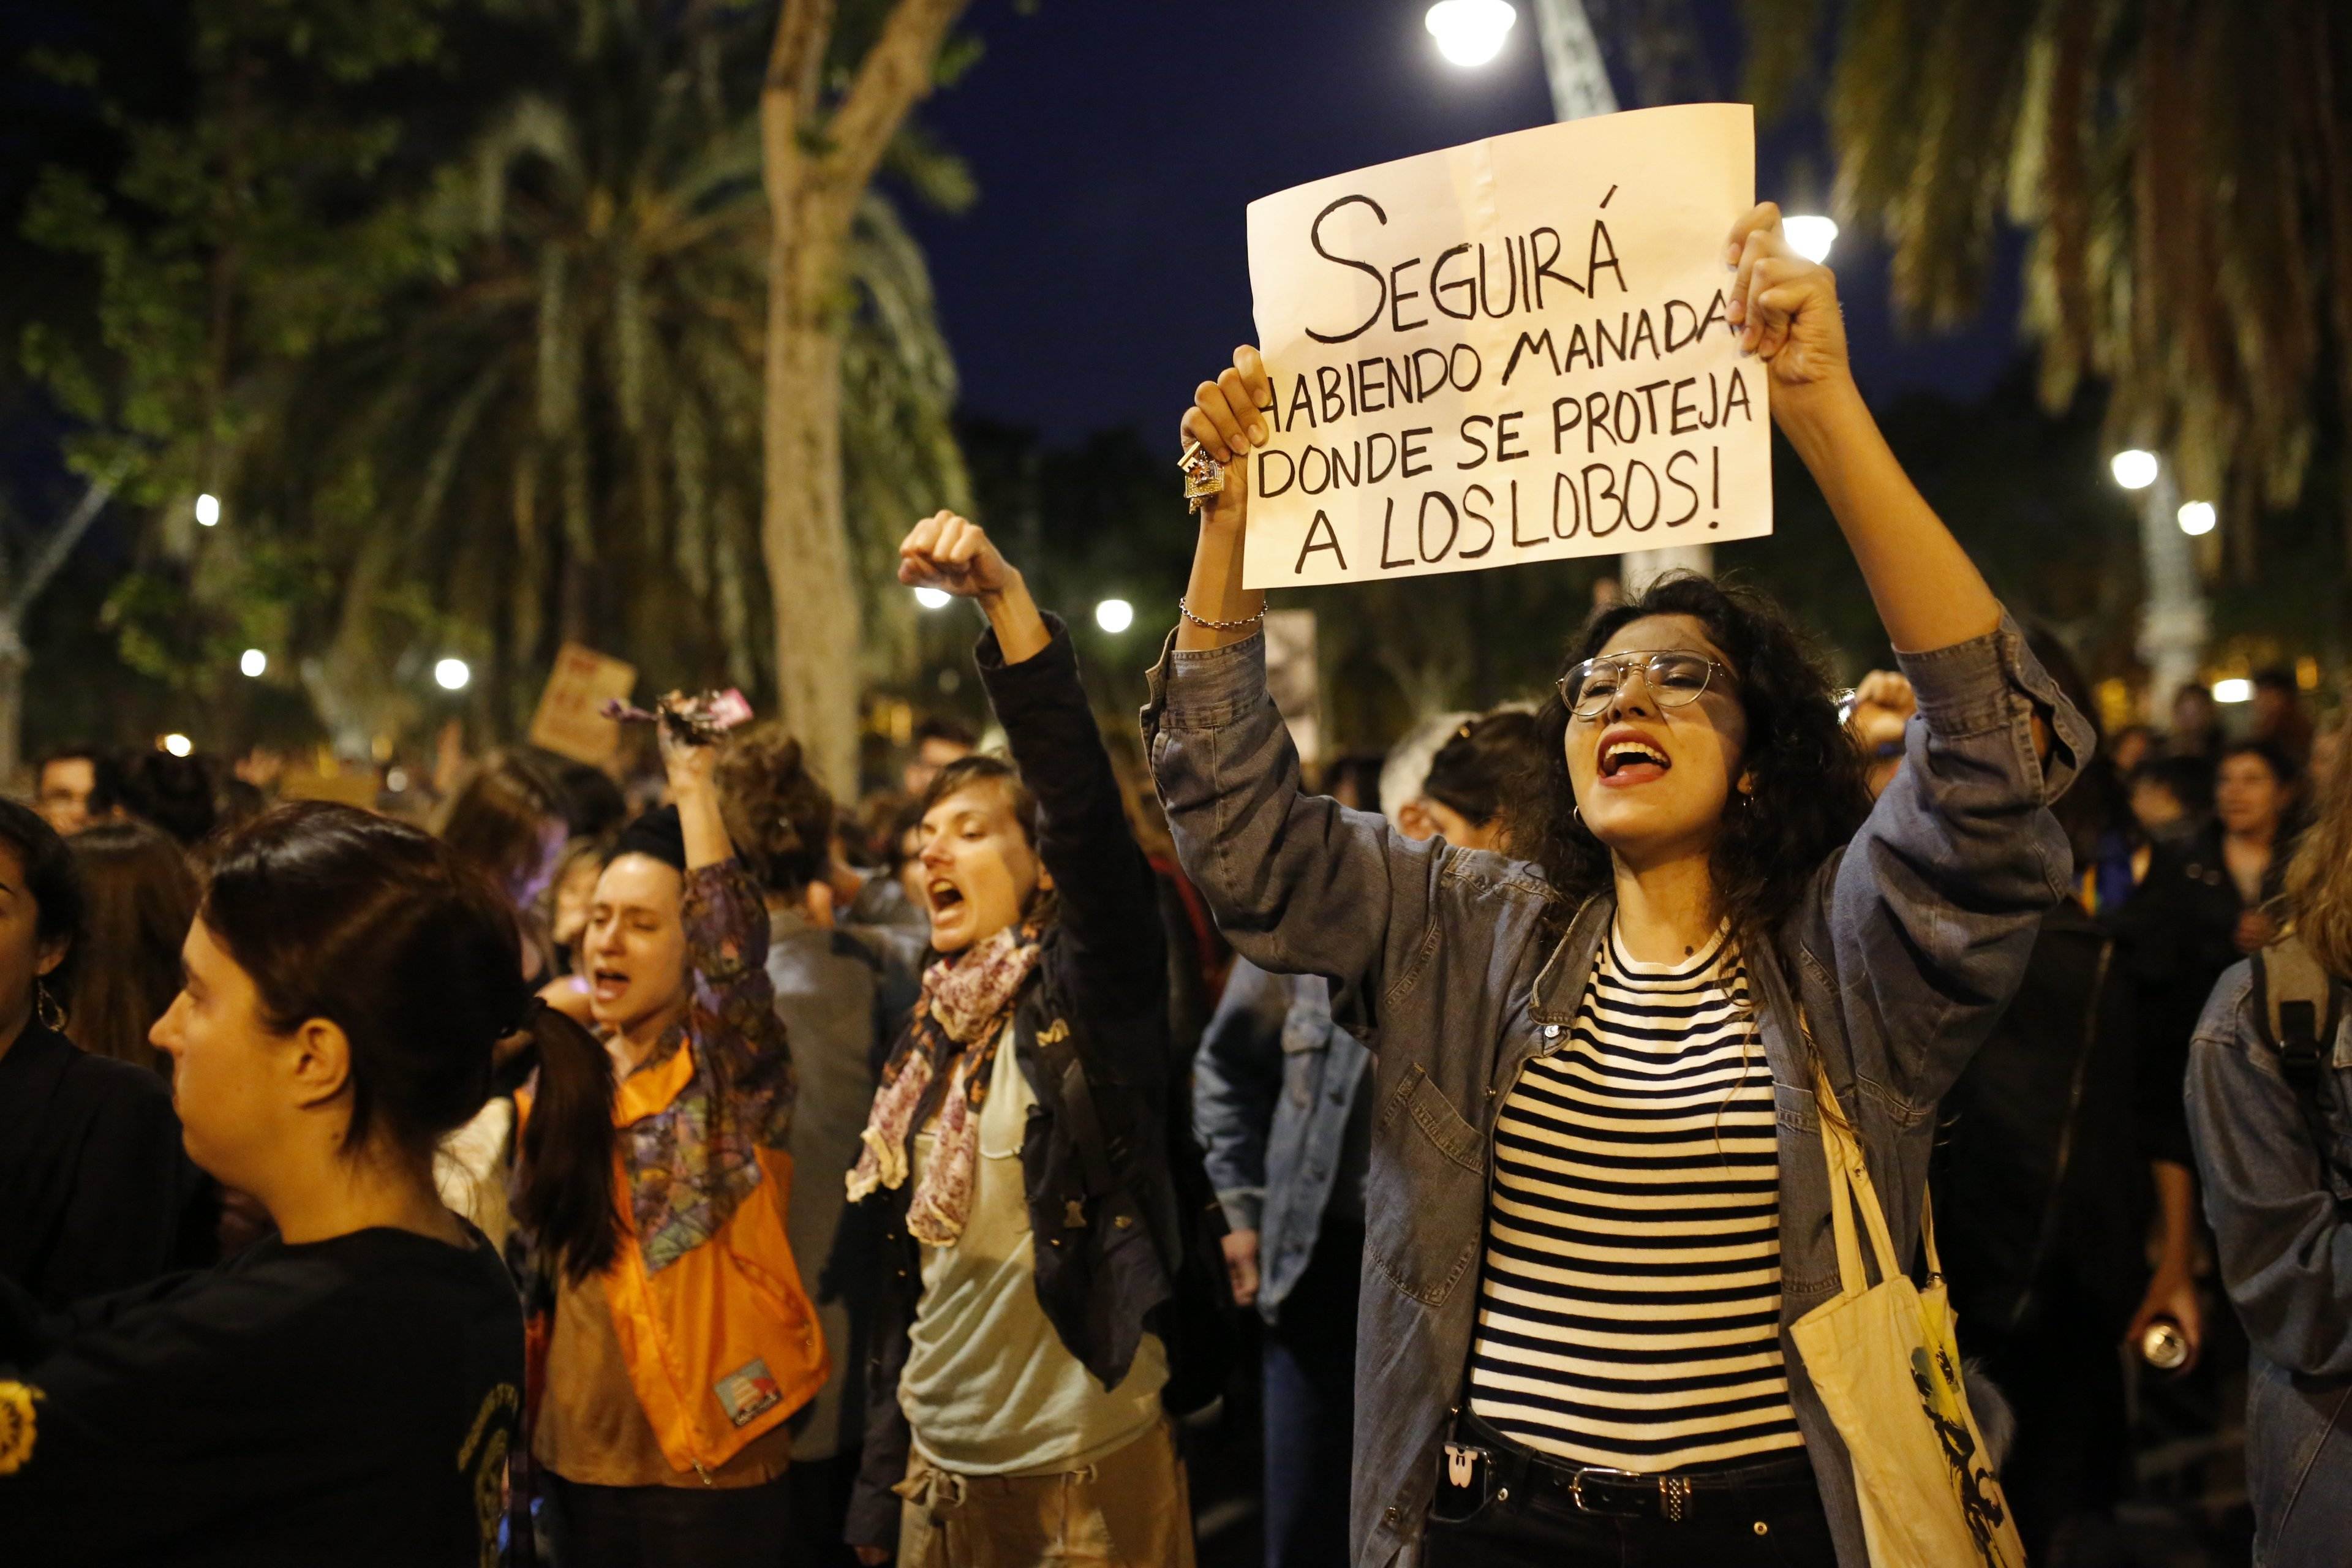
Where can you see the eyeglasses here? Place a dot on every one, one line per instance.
(1675, 678)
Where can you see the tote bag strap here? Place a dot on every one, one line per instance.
(1851, 1188)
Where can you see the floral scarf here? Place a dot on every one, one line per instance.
(967, 1001)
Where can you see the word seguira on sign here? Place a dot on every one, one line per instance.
(1515, 350)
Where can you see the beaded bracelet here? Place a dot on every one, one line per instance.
(1241, 626)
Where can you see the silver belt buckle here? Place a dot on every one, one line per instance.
(1599, 1472)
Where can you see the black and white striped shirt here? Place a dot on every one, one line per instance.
(1629, 1312)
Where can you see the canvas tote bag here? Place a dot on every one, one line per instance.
(1886, 1364)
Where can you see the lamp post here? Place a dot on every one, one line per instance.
(2172, 618)
(1580, 84)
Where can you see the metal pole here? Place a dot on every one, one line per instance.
(1579, 87)
(14, 657)
(2172, 618)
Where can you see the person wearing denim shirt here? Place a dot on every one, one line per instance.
(2278, 1191)
(1876, 944)
(1286, 1129)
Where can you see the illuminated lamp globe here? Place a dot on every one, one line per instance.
(2134, 470)
(932, 598)
(1471, 32)
(1114, 615)
(1811, 236)
(451, 674)
(2198, 517)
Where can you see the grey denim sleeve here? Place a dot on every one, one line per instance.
(1299, 884)
(1236, 1081)
(1932, 910)
(2284, 1249)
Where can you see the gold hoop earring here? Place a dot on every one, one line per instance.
(46, 1009)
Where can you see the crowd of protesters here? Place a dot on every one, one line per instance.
(756, 1178)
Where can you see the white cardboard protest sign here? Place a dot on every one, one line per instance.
(1511, 350)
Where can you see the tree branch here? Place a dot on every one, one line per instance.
(894, 76)
(802, 26)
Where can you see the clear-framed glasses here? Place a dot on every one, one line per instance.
(1675, 678)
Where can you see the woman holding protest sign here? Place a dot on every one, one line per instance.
(1596, 1075)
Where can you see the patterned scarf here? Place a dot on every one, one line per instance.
(967, 1001)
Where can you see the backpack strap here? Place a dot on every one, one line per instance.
(2300, 1007)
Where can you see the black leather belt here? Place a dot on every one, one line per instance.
(1520, 1473)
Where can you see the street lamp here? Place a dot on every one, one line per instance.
(1471, 32)
(208, 510)
(2134, 470)
(1114, 615)
(1811, 236)
(451, 674)
(177, 744)
(2197, 518)
(931, 598)
(2236, 690)
(253, 663)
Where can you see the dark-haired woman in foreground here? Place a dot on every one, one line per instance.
(347, 1391)
(1597, 1193)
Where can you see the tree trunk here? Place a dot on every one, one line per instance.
(802, 531)
(816, 166)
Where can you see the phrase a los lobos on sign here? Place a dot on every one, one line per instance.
(1511, 350)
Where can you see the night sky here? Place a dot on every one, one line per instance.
(1116, 143)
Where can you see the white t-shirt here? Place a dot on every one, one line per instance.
(988, 1387)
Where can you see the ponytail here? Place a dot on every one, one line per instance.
(563, 1169)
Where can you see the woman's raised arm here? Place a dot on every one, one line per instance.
(1928, 593)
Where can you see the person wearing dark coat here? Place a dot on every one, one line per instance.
(101, 1195)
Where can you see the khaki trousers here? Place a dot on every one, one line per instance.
(1132, 1509)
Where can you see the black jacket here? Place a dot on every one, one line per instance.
(100, 1196)
(1105, 1246)
(2041, 1181)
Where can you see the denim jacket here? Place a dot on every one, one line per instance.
(1272, 1089)
(2286, 1246)
(1901, 953)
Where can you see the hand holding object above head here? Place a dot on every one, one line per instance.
(1226, 419)
(1786, 308)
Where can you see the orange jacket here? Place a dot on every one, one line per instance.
(719, 1337)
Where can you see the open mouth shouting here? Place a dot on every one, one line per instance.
(606, 985)
(1627, 757)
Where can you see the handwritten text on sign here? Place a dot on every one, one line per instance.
(1512, 351)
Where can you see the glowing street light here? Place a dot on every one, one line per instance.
(253, 662)
(1471, 32)
(177, 744)
(2236, 690)
(2134, 470)
(451, 674)
(208, 510)
(1811, 236)
(2198, 517)
(1114, 615)
(932, 598)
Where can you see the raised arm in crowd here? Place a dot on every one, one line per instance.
(1702, 852)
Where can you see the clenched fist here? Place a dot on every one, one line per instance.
(954, 555)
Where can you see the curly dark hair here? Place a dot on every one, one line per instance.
(1808, 793)
(778, 814)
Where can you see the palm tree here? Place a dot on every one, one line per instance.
(555, 433)
(2184, 169)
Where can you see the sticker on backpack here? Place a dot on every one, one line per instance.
(747, 1391)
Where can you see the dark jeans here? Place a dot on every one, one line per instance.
(1310, 1406)
(666, 1527)
(1777, 1526)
